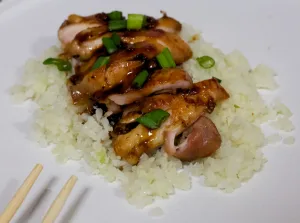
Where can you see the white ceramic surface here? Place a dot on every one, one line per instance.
(266, 31)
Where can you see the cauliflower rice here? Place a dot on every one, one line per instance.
(238, 120)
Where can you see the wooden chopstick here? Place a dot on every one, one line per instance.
(60, 200)
(20, 195)
(22, 192)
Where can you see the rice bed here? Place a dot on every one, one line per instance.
(238, 120)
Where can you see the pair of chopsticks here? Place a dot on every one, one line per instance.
(22, 192)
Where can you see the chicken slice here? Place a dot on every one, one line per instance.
(180, 50)
(75, 24)
(207, 92)
(82, 67)
(184, 110)
(121, 70)
(165, 80)
(168, 24)
(82, 36)
(103, 79)
(87, 42)
(201, 140)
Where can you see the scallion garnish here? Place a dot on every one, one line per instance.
(109, 45)
(165, 59)
(153, 119)
(140, 79)
(100, 62)
(135, 21)
(116, 38)
(162, 60)
(115, 25)
(115, 15)
(169, 57)
(62, 65)
(236, 106)
(206, 62)
(219, 80)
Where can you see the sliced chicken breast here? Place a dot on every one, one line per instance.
(75, 24)
(165, 80)
(168, 24)
(184, 110)
(200, 140)
(179, 49)
(120, 71)
(87, 42)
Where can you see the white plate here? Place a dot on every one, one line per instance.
(265, 31)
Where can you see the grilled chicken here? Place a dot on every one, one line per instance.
(82, 36)
(90, 40)
(82, 67)
(121, 70)
(200, 140)
(165, 80)
(171, 89)
(180, 50)
(168, 24)
(75, 24)
(184, 109)
(87, 42)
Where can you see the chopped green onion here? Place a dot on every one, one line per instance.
(116, 38)
(109, 45)
(236, 106)
(62, 65)
(169, 57)
(102, 156)
(162, 60)
(115, 15)
(135, 21)
(219, 80)
(165, 59)
(206, 62)
(140, 79)
(153, 119)
(101, 61)
(117, 25)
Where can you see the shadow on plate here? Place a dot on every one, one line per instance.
(8, 192)
(25, 127)
(42, 44)
(75, 205)
(119, 193)
(37, 208)
(33, 209)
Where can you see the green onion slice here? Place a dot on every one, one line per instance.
(169, 57)
(162, 60)
(109, 45)
(219, 80)
(115, 25)
(236, 106)
(115, 15)
(135, 21)
(140, 79)
(101, 61)
(206, 62)
(165, 59)
(153, 119)
(116, 38)
(62, 65)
